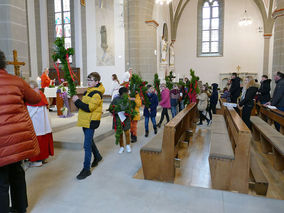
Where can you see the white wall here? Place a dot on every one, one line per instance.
(105, 71)
(243, 46)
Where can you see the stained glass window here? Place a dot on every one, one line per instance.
(210, 27)
(63, 22)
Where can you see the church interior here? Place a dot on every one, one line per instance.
(89, 51)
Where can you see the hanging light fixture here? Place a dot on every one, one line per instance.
(162, 2)
(245, 20)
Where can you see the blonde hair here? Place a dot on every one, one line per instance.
(33, 84)
(250, 83)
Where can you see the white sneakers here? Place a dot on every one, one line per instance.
(121, 150)
(36, 164)
(128, 149)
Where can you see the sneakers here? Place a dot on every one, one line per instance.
(96, 162)
(146, 134)
(199, 124)
(121, 150)
(128, 148)
(83, 174)
(155, 131)
(36, 164)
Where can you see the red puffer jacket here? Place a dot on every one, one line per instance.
(18, 140)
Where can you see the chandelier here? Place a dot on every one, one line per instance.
(162, 2)
(245, 20)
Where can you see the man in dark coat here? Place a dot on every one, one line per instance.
(264, 90)
(213, 100)
(278, 95)
(235, 89)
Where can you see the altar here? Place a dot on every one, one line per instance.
(52, 93)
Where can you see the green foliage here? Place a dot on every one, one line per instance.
(60, 53)
(157, 85)
(139, 86)
(169, 81)
(114, 109)
(192, 87)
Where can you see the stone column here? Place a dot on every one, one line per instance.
(141, 39)
(14, 33)
(278, 49)
(266, 53)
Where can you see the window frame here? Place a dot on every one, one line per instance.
(63, 24)
(200, 29)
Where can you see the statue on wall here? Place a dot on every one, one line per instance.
(164, 50)
(104, 38)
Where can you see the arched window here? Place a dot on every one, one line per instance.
(210, 27)
(63, 21)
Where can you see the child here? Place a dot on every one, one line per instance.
(151, 111)
(165, 103)
(175, 95)
(226, 95)
(42, 127)
(135, 120)
(118, 101)
(213, 100)
(202, 105)
(89, 116)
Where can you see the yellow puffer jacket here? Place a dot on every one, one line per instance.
(138, 103)
(91, 107)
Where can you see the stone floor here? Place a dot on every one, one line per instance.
(53, 188)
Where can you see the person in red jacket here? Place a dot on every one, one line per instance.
(45, 80)
(18, 140)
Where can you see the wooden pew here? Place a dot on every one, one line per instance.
(158, 155)
(271, 116)
(260, 182)
(229, 157)
(271, 140)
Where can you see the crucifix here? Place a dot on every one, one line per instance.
(238, 68)
(16, 63)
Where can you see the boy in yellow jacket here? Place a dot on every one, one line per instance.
(89, 116)
(134, 121)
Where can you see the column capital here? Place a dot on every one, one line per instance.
(267, 35)
(278, 12)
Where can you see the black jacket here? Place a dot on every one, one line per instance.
(214, 96)
(265, 91)
(250, 94)
(235, 89)
(278, 95)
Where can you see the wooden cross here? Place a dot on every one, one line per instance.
(16, 63)
(238, 68)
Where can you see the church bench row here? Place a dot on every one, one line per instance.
(271, 140)
(158, 155)
(260, 182)
(271, 116)
(229, 156)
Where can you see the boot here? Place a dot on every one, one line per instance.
(134, 139)
(96, 162)
(83, 174)
(146, 134)
(155, 130)
(159, 125)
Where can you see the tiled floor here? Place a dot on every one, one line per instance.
(53, 188)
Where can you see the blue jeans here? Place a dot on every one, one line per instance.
(174, 111)
(90, 147)
(181, 105)
(277, 125)
(153, 119)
